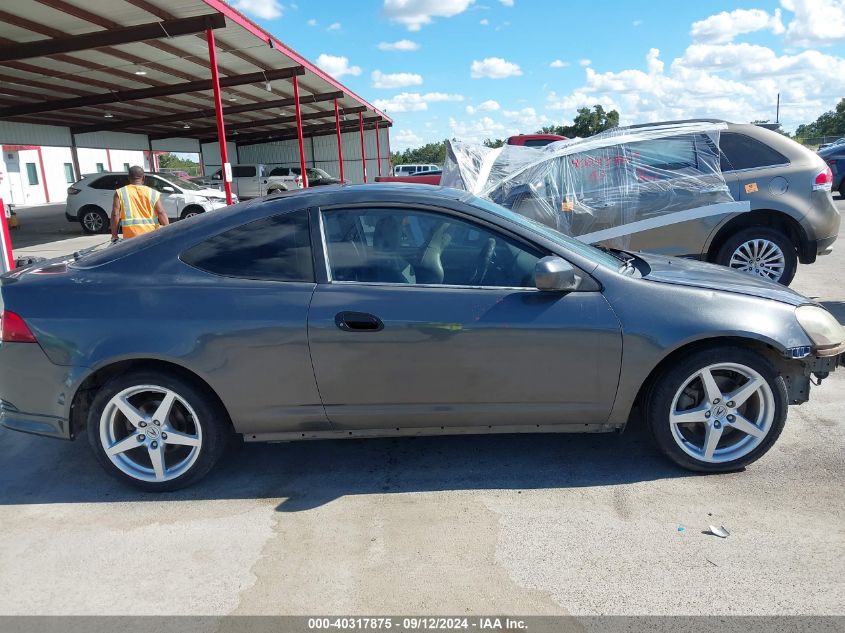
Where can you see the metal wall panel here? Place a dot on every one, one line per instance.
(211, 156)
(113, 140)
(177, 145)
(33, 134)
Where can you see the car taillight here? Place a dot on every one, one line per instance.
(299, 180)
(824, 180)
(13, 329)
(72, 191)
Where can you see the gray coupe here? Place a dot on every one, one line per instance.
(380, 310)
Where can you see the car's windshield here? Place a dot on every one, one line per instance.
(181, 182)
(570, 243)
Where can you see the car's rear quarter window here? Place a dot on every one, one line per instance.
(739, 151)
(277, 248)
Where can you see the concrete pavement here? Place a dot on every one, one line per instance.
(459, 525)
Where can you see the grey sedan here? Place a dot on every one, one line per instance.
(385, 310)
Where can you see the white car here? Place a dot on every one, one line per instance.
(89, 200)
(410, 170)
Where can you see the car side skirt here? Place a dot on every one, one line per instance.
(291, 436)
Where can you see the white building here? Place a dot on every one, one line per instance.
(32, 174)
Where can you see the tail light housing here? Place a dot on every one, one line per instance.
(299, 181)
(72, 191)
(824, 180)
(13, 329)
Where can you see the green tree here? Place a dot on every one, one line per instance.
(587, 122)
(831, 123)
(170, 161)
(428, 153)
(493, 142)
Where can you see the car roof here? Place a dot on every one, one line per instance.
(375, 191)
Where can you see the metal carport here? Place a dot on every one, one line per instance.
(171, 75)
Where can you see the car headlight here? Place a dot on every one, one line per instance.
(820, 325)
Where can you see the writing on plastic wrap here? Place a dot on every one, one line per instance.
(583, 186)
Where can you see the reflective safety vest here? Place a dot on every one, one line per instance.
(137, 210)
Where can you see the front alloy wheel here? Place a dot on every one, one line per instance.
(718, 410)
(157, 432)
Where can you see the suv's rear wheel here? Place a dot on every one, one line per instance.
(93, 220)
(717, 410)
(156, 431)
(762, 251)
(190, 212)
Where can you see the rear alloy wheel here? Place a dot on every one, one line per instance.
(191, 212)
(94, 220)
(155, 431)
(718, 410)
(760, 251)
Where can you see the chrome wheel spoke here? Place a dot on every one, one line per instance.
(157, 459)
(132, 414)
(711, 389)
(162, 412)
(182, 439)
(690, 416)
(123, 445)
(747, 390)
(711, 439)
(744, 425)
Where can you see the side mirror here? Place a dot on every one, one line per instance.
(555, 274)
(168, 190)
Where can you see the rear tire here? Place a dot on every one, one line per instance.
(762, 251)
(93, 220)
(842, 189)
(270, 192)
(684, 414)
(156, 431)
(190, 212)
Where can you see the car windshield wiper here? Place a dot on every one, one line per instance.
(627, 260)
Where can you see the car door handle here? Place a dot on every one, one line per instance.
(358, 322)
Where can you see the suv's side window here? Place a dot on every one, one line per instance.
(404, 246)
(277, 248)
(110, 183)
(158, 184)
(739, 151)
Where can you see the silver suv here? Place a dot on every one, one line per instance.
(792, 215)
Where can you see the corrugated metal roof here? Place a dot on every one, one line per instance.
(243, 48)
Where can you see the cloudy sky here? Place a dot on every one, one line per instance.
(474, 69)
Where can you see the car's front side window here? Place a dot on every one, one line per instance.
(406, 246)
(277, 248)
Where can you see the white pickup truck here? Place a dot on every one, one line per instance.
(253, 181)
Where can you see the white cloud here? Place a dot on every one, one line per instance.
(558, 63)
(507, 3)
(816, 22)
(585, 62)
(414, 101)
(312, 22)
(405, 138)
(484, 22)
(265, 9)
(334, 26)
(395, 80)
(400, 45)
(724, 26)
(337, 66)
(484, 106)
(414, 14)
(477, 130)
(494, 68)
(527, 120)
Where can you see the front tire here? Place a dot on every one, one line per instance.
(156, 431)
(761, 251)
(717, 410)
(190, 212)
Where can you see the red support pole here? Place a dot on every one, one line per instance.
(363, 153)
(43, 175)
(339, 140)
(299, 132)
(378, 150)
(7, 261)
(218, 113)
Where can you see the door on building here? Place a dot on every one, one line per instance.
(13, 168)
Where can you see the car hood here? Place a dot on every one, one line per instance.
(686, 272)
(211, 193)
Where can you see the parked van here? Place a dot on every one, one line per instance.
(410, 170)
